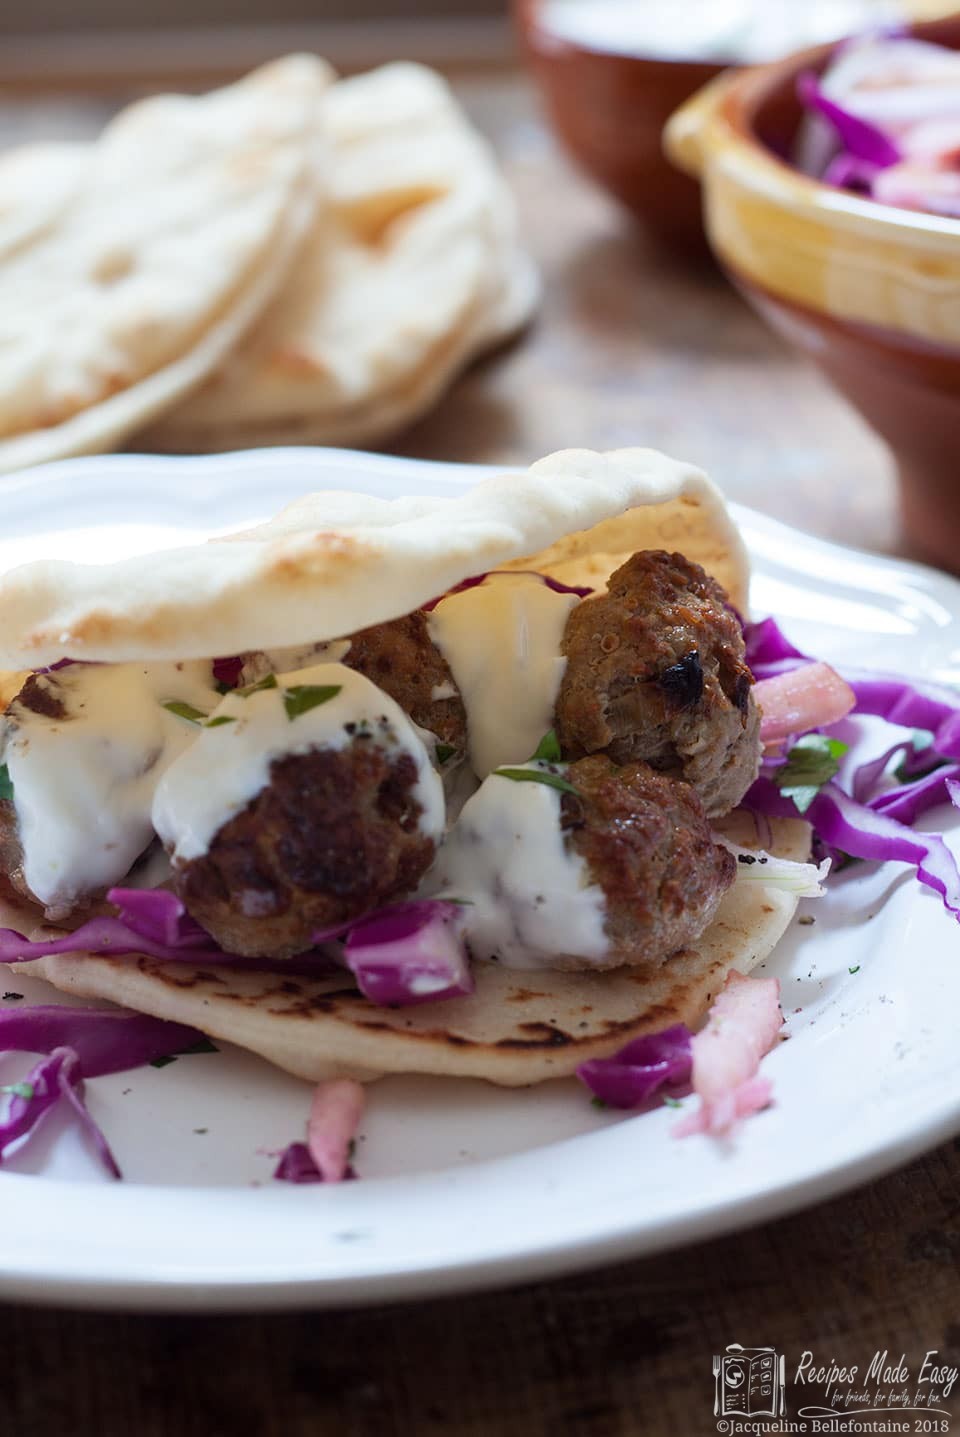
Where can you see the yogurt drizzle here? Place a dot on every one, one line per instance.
(502, 641)
(83, 784)
(531, 900)
(229, 762)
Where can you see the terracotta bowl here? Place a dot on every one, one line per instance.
(609, 110)
(872, 293)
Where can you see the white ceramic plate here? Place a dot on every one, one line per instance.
(465, 1185)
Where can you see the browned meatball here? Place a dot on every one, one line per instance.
(402, 659)
(647, 842)
(334, 834)
(656, 671)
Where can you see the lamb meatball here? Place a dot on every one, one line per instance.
(656, 672)
(402, 659)
(647, 843)
(334, 834)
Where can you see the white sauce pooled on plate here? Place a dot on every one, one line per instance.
(230, 762)
(83, 785)
(530, 894)
(502, 642)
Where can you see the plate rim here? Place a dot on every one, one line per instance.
(555, 1256)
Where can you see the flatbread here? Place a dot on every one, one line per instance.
(412, 268)
(121, 294)
(517, 1028)
(337, 562)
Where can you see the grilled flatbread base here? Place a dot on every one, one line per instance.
(517, 1028)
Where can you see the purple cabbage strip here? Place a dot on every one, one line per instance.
(843, 824)
(79, 1043)
(634, 1074)
(769, 651)
(297, 1166)
(228, 671)
(860, 139)
(104, 1041)
(56, 1076)
(411, 953)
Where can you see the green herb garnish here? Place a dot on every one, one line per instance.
(444, 751)
(269, 681)
(548, 749)
(301, 698)
(185, 711)
(813, 761)
(672, 1103)
(599, 1103)
(19, 1090)
(536, 775)
(6, 782)
(219, 720)
(851, 971)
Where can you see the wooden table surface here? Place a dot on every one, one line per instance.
(629, 348)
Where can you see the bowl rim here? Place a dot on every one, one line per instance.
(748, 89)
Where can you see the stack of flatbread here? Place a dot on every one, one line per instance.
(294, 258)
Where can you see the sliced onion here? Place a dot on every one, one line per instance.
(412, 953)
(812, 696)
(634, 1074)
(742, 1025)
(806, 880)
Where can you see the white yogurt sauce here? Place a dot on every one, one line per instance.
(734, 31)
(529, 893)
(230, 762)
(83, 785)
(502, 642)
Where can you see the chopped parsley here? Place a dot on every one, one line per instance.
(197, 716)
(11, 997)
(269, 681)
(672, 1103)
(537, 775)
(19, 1090)
(185, 711)
(6, 782)
(599, 1103)
(301, 698)
(813, 761)
(444, 752)
(851, 971)
(548, 749)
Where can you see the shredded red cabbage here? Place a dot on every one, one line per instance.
(411, 953)
(79, 1043)
(55, 1077)
(104, 1040)
(861, 140)
(228, 671)
(297, 1166)
(634, 1074)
